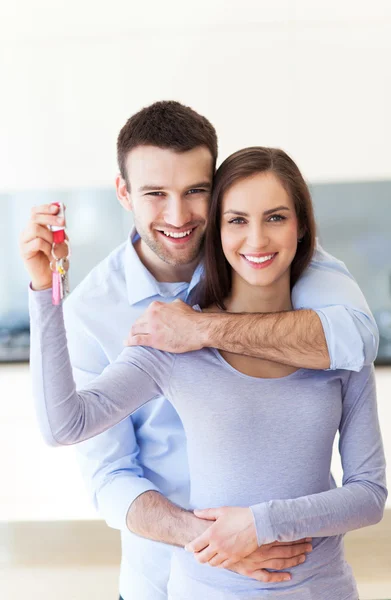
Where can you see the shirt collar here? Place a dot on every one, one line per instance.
(141, 284)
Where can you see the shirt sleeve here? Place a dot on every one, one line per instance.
(109, 461)
(350, 329)
(361, 499)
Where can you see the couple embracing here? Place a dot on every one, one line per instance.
(249, 349)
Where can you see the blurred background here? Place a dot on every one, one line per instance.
(309, 76)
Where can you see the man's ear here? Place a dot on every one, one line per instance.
(122, 193)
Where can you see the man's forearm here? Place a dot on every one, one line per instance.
(293, 338)
(154, 517)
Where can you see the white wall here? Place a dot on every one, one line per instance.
(312, 77)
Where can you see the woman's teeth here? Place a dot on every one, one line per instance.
(177, 235)
(259, 259)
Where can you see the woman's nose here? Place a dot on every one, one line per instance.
(258, 237)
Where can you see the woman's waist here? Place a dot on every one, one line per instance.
(326, 555)
(240, 492)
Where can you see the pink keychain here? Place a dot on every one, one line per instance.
(56, 288)
(59, 266)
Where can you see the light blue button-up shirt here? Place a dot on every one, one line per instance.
(148, 450)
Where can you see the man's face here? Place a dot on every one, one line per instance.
(169, 195)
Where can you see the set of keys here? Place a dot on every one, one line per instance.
(59, 266)
(60, 278)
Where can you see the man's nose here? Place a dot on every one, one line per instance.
(177, 212)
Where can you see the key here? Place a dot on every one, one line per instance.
(62, 267)
(66, 284)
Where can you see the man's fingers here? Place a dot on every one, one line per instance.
(138, 340)
(288, 551)
(267, 577)
(278, 564)
(302, 541)
(139, 328)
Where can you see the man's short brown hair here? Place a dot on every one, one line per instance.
(166, 124)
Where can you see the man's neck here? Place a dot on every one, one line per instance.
(161, 271)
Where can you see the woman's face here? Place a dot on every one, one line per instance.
(259, 229)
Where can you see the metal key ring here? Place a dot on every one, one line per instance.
(69, 250)
(53, 264)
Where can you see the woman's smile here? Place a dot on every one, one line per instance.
(259, 261)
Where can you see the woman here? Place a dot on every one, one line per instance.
(259, 434)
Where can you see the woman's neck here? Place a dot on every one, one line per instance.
(259, 299)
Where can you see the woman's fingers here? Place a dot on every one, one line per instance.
(34, 230)
(48, 209)
(35, 245)
(216, 561)
(45, 219)
(206, 555)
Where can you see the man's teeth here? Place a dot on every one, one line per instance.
(177, 235)
(259, 259)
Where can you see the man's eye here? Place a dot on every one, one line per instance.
(276, 218)
(196, 191)
(155, 194)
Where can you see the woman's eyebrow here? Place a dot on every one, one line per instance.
(272, 210)
(267, 212)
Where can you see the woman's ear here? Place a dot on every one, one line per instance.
(301, 233)
(123, 194)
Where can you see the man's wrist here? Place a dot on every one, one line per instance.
(206, 325)
(154, 517)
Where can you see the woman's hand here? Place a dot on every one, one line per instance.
(230, 539)
(36, 245)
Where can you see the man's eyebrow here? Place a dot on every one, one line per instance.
(157, 188)
(267, 212)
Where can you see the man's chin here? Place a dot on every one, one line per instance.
(179, 255)
(175, 260)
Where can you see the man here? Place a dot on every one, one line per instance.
(137, 471)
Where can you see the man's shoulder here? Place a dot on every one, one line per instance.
(324, 261)
(106, 280)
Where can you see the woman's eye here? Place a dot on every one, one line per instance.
(276, 218)
(237, 221)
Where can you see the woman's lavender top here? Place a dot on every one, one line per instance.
(263, 443)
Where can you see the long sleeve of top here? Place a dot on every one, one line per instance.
(67, 416)
(328, 288)
(361, 499)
